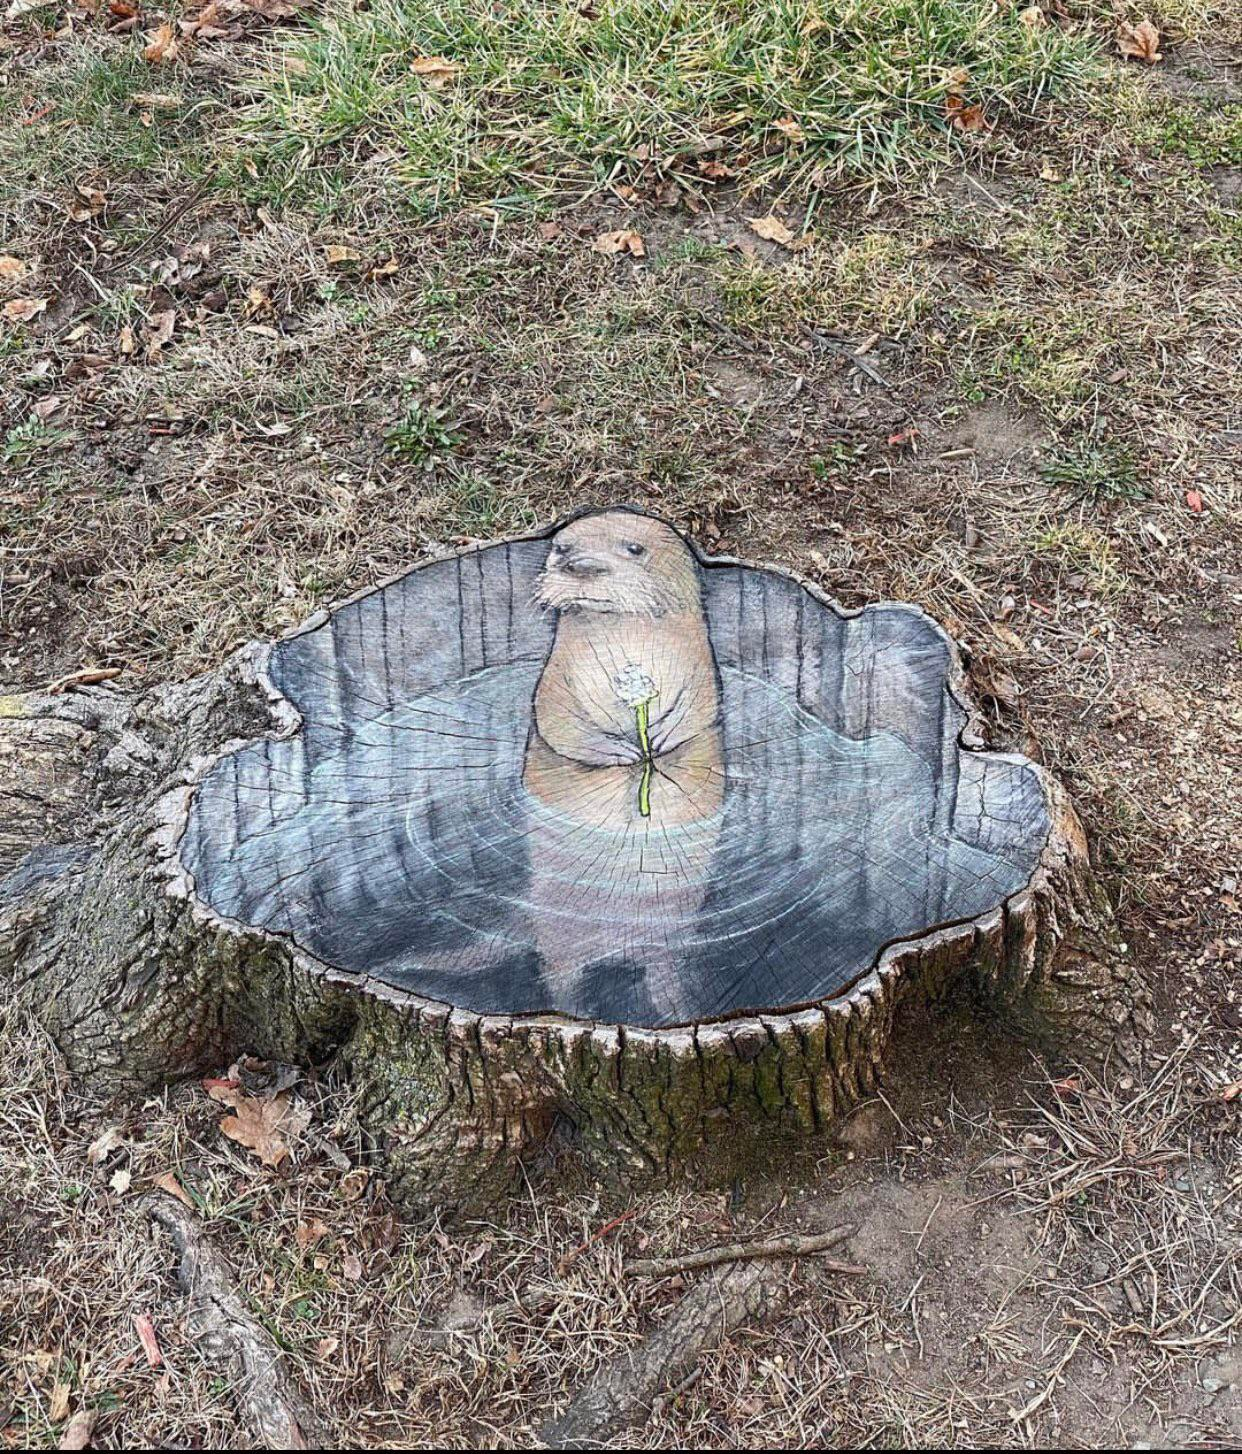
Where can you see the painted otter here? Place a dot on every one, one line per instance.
(625, 766)
(631, 674)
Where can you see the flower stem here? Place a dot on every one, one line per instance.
(642, 721)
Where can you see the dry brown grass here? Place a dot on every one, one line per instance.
(1109, 1212)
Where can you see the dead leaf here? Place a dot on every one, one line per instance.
(622, 241)
(159, 330)
(167, 1182)
(1010, 638)
(992, 680)
(205, 24)
(107, 1141)
(156, 100)
(772, 229)
(326, 1347)
(58, 1405)
(78, 1430)
(1139, 42)
(161, 45)
(962, 117)
(354, 1183)
(22, 310)
(437, 71)
(261, 1124)
(337, 254)
(258, 302)
(382, 1231)
(120, 1181)
(308, 1233)
(12, 267)
(351, 1266)
(145, 1329)
(790, 129)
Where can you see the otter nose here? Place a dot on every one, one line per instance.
(584, 565)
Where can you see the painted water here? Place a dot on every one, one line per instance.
(429, 842)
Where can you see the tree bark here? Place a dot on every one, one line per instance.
(141, 982)
(241, 1348)
(620, 1396)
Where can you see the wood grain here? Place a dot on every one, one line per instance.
(417, 829)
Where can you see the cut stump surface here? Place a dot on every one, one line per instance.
(580, 829)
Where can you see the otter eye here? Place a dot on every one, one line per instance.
(633, 548)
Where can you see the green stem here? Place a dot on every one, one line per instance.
(642, 720)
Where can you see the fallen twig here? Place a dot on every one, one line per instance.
(572, 1256)
(231, 1337)
(1025, 1412)
(88, 677)
(793, 1244)
(621, 1394)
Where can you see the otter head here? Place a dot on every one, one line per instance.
(619, 562)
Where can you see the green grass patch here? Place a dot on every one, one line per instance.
(423, 434)
(548, 99)
(77, 113)
(1095, 469)
(1070, 547)
(1200, 130)
(879, 280)
(1053, 358)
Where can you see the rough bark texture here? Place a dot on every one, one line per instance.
(233, 1340)
(140, 983)
(620, 1396)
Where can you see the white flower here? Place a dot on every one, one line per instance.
(633, 685)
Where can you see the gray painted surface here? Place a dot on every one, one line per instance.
(395, 834)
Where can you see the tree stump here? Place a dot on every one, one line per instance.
(578, 830)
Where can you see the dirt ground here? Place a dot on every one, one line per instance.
(1006, 390)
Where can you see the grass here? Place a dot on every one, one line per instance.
(423, 434)
(1083, 554)
(1097, 469)
(1020, 1224)
(546, 101)
(24, 442)
(71, 118)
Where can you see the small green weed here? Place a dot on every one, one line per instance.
(1097, 469)
(423, 434)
